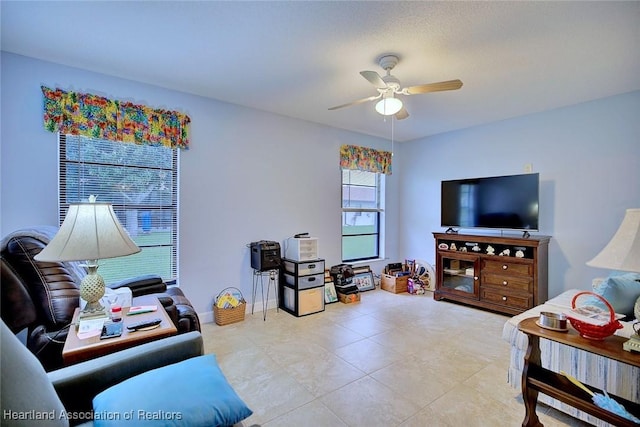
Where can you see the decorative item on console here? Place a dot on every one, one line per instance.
(471, 246)
(506, 251)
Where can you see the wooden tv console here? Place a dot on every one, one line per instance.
(506, 274)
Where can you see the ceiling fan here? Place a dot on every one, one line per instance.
(389, 86)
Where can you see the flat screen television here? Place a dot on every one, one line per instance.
(503, 202)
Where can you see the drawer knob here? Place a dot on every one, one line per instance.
(312, 266)
(504, 267)
(504, 282)
(504, 298)
(475, 277)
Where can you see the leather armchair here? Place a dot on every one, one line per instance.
(41, 297)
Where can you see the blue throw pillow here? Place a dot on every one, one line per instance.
(621, 291)
(189, 393)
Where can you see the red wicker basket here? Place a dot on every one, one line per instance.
(590, 331)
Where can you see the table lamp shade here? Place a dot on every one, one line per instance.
(90, 231)
(623, 251)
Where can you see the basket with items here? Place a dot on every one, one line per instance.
(595, 319)
(229, 307)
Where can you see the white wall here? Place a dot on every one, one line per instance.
(252, 175)
(248, 176)
(588, 157)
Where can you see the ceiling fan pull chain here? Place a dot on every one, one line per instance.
(392, 135)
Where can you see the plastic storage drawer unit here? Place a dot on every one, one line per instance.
(302, 286)
(301, 249)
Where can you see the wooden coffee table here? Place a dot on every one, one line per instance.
(76, 350)
(536, 379)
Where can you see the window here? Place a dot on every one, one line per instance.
(362, 213)
(140, 181)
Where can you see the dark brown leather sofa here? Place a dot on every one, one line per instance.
(40, 297)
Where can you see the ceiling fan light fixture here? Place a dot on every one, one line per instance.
(388, 106)
(389, 86)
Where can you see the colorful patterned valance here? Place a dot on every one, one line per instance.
(365, 159)
(98, 117)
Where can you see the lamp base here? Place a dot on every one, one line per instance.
(633, 344)
(92, 314)
(91, 290)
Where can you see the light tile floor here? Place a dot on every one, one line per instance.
(388, 360)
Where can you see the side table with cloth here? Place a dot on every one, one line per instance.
(618, 378)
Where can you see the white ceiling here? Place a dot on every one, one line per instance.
(299, 58)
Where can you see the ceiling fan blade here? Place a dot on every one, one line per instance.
(374, 78)
(360, 101)
(402, 114)
(432, 87)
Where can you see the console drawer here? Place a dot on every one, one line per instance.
(514, 283)
(520, 301)
(507, 267)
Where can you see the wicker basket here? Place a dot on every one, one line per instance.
(594, 332)
(227, 316)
